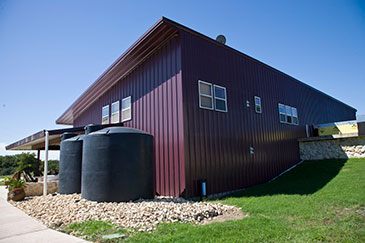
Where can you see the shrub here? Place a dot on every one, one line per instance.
(53, 165)
(11, 184)
(27, 162)
(8, 164)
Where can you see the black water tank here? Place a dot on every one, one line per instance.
(67, 135)
(92, 128)
(70, 165)
(117, 165)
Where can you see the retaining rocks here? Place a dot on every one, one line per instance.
(332, 148)
(59, 210)
(36, 188)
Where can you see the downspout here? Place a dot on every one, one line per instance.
(45, 165)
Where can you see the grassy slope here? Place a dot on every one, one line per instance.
(317, 201)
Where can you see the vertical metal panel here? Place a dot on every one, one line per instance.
(217, 144)
(193, 143)
(361, 127)
(155, 87)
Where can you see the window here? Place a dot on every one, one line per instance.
(205, 95)
(220, 98)
(126, 109)
(115, 112)
(105, 115)
(282, 114)
(295, 116)
(288, 114)
(258, 104)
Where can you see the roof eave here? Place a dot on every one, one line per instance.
(68, 117)
(74, 111)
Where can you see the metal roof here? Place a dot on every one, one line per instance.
(147, 44)
(138, 52)
(37, 140)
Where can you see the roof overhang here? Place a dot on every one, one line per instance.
(155, 37)
(37, 140)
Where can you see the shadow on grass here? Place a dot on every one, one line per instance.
(306, 178)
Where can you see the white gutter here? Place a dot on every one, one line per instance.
(45, 165)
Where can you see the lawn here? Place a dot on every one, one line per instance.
(316, 201)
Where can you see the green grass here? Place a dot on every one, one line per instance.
(95, 230)
(316, 201)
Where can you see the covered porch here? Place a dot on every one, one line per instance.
(44, 140)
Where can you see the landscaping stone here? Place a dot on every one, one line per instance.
(339, 148)
(113, 236)
(36, 188)
(143, 215)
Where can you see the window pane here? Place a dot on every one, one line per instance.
(105, 120)
(258, 108)
(105, 111)
(219, 92)
(257, 100)
(126, 103)
(281, 108)
(294, 112)
(288, 110)
(220, 105)
(295, 120)
(288, 119)
(206, 102)
(282, 118)
(127, 115)
(205, 89)
(115, 117)
(115, 107)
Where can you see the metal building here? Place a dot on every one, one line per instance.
(215, 113)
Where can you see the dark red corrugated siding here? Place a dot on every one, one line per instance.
(155, 87)
(193, 143)
(217, 144)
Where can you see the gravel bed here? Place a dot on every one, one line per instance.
(60, 210)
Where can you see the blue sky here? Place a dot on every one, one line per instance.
(51, 51)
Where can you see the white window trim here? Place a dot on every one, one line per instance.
(209, 96)
(258, 105)
(291, 115)
(296, 116)
(102, 116)
(217, 98)
(117, 112)
(282, 113)
(129, 108)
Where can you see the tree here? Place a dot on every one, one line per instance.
(8, 164)
(27, 163)
(53, 166)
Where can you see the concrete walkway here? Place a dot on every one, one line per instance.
(16, 226)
